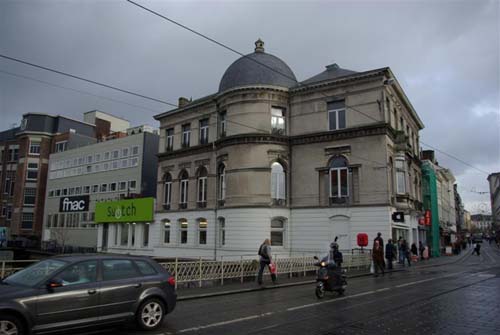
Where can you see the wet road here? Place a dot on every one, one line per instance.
(458, 298)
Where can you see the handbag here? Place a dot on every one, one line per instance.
(272, 268)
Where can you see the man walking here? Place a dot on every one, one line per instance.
(389, 253)
(477, 249)
(378, 258)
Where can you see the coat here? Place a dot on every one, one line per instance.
(378, 255)
(389, 251)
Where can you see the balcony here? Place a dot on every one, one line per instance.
(335, 201)
(166, 207)
(183, 205)
(201, 204)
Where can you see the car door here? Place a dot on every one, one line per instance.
(120, 288)
(75, 302)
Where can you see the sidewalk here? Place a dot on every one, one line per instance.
(215, 289)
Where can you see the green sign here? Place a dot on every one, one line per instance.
(130, 210)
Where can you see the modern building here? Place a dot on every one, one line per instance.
(297, 162)
(24, 157)
(430, 203)
(122, 165)
(494, 181)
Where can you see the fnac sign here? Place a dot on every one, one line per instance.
(362, 239)
(427, 218)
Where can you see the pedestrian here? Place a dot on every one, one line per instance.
(426, 252)
(378, 258)
(477, 249)
(389, 253)
(400, 252)
(406, 253)
(381, 243)
(265, 260)
(421, 250)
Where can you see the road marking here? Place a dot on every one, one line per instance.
(329, 301)
(223, 323)
(383, 289)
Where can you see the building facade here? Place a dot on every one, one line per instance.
(24, 158)
(123, 166)
(297, 162)
(494, 181)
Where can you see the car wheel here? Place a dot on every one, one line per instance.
(10, 325)
(150, 314)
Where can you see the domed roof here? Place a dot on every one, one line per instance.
(256, 69)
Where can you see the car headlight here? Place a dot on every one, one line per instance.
(323, 264)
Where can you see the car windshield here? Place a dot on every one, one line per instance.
(35, 273)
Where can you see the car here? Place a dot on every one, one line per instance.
(81, 291)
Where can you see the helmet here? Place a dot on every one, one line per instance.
(334, 245)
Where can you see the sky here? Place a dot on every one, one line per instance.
(445, 54)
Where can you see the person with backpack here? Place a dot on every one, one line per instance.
(265, 260)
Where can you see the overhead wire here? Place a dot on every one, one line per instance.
(278, 72)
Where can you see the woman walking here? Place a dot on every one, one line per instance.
(265, 260)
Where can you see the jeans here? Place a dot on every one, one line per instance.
(263, 264)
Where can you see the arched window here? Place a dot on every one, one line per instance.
(202, 187)
(221, 182)
(167, 191)
(184, 181)
(278, 182)
(278, 232)
(166, 231)
(222, 232)
(339, 180)
(202, 231)
(183, 224)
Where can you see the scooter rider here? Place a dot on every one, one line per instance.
(335, 254)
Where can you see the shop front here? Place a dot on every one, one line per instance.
(124, 224)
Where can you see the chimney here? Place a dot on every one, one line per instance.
(183, 102)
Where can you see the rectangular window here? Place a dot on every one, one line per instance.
(123, 185)
(29, 196)
(186, 135)
(222, 124)
(95, 188)
(32, 171)
(34, 148)
(27, 221)
(400, 176)
(145, 235)
(132, 185)
(78, 190)
(106, 156)
(339, 183)
(202, 190)
(134, 162)
(167, 199)
(184, 232)
(222, 232)
(184, 191)
(125, 163)
(86, 189)
(8, 215)
(71, 191)
(114, 165)
(112, 187)
(135, 150)
(125, 152)
(61, 146)
(169, 140)
(97, 157)
(202, 230)
(13, 154)
(336, 115)
(204, 131)
(278, 120)
(51, 193)
(115, 154)
(104, 188)
(90, 159)
(277, 232)
(166, 232)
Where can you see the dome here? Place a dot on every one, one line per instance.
(256, 69)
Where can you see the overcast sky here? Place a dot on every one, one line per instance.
(446, 55)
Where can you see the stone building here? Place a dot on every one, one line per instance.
(494, 181)
(268, 156)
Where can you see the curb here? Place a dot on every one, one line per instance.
(255, 289)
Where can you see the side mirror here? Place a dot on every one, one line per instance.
(55, 282)
(316, 258)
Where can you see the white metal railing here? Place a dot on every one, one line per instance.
(198, 271)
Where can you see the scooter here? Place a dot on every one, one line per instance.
(329, 278)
